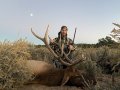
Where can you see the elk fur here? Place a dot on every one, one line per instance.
(47, 74)
(38, 67)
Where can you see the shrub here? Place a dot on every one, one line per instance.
(13, 70)
(40, 53)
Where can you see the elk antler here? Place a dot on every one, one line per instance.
(45, 41)
(61, 46)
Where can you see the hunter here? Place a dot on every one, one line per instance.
(68, 45)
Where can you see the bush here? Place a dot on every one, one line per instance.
(40, 53)
(13, 70)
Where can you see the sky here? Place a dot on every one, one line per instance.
(93, 18)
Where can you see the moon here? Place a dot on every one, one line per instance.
(31, 14)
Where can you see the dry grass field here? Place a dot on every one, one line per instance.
(14, 73)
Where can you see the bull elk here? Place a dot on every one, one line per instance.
(47, 74)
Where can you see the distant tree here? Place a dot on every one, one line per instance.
(84, 45)
(105, 41)
(115, 33)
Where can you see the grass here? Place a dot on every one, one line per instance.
(14, 55)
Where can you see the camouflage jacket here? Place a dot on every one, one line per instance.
(66, 41)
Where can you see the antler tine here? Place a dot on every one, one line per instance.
(71, 50)
(67, 58)
(62, 49)
(37, 35)
(45, 40)
(72, 63)
(61, 45)
(68, 53)
(47, 44)
(79, 60)
(65, 63)
(60, 41)
(62, 52)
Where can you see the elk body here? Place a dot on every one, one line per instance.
(38, 67)
(55, 77)
(47, 74)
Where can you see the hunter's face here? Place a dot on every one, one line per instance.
(64, 32)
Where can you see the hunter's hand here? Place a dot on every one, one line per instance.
(52, 41)
(71, 47)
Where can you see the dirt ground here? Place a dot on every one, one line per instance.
(40, 87)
